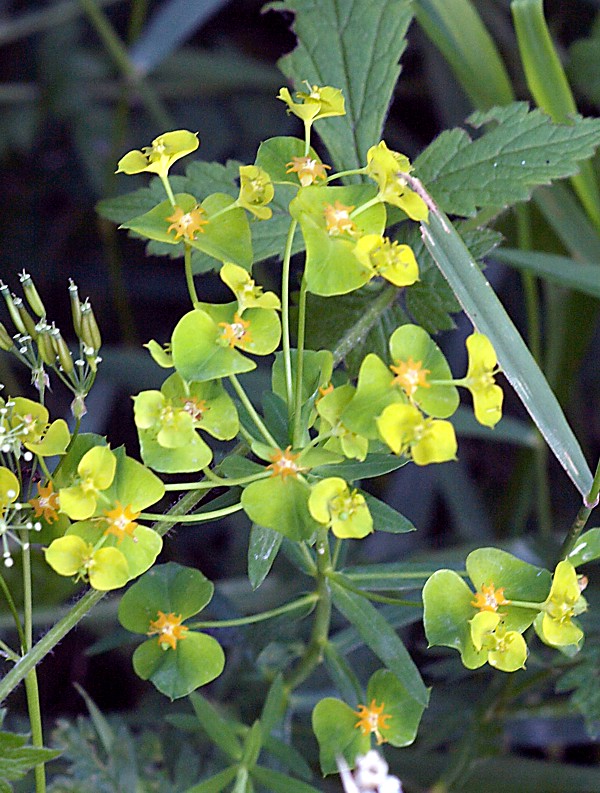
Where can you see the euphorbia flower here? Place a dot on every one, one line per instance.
(187, 224)
(236, 333)
(309, 170)
(390, 260)
(284, 463)
(248, 294)
(555, 625)
(338, 220)
(506, 650)
(46, 504)
(410, 375)
(333, 504)
(483, 365)
(104, 568)
(256, 191)
(95, 473)
(172, 422)
(386, 168)
(317, 103)
(160, 156)
(169, 630)
(372, 719)
(121, 522)
(407, 431)
(489, 598)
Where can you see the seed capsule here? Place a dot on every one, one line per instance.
(32, 295)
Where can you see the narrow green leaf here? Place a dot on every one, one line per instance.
(16, 759)
(280, 783)
(373, 465)
(101, 725)
(559, 270)
(288, 757)
(456, 29)
(563, 213)
(587, 548)
(216, 783)
(549, 86)
(342, 674)
(354, 45)
(378, 634)
(252, 745)
(263, 547)
(489, 317)
(386, 518)
(216, 727)
(274, 706)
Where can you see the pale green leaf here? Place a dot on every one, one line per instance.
(560, 270)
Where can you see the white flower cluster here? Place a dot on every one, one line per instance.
(370, 775)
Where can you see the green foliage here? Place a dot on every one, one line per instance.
(17, 757)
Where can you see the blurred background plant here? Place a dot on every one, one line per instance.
(82, 83)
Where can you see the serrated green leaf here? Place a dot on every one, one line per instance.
(354, 46)
(378, 634)
(16, 758)
(489, 317)
(520, 150)
(559, 270)
(455, 27)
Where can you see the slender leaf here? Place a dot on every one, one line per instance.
(354, 45)
(563, 213)
(216, 727)
(557, 269)
(379, 635)
(288, 757)
(274, 706)
(489, 317)
(386, 518)
(280, 783)
(342, 675)
(263, 547)
(216, 783)
(549, 86)
(455, 27)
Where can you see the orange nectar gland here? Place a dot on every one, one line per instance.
(284, 463)
(489, 598)
(121, 522)
(169, 629)
(308, 170)
(338, 220)
(46, 504)
(373, 719)
(187, 224)
(236, 332)
(410, 375)
(195, 407)
(323, 391)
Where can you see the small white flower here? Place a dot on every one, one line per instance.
(370, 775)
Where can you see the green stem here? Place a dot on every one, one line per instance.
(216, 481)
(189, 275)
(320, 630)
(360, 329)
(285, 313)
(582, 516)
(340, 174)
(168, 190)
(305, 600)
(118, 52)
(198, 517)
(13, 610)
(526, 604)
(342, 581)
(31, 685)
(367, 205)
(297, 434)
(258, 422)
